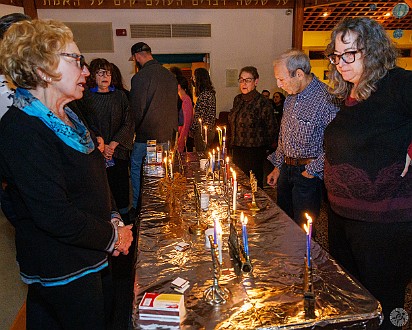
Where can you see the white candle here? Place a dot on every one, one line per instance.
(218, 154)
(205, 134)
(234, 191)
(219, 240)
(210, 162)
(165, 161)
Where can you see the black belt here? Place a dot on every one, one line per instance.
(297, 161)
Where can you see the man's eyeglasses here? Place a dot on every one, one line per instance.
(246, 80)
(347, 57)
(79, 58)
(101, 73)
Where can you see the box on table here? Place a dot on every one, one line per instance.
(162, 306)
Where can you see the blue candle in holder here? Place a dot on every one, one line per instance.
(243, 220)
(308, 230)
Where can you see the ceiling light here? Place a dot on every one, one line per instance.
(325, 14)
(387, 14)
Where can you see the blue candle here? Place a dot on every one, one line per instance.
(308, 230)
(244, 234)
(215, 232)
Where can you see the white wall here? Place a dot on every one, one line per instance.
(239, 38)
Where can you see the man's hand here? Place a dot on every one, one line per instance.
(273, 177)
(307, 175)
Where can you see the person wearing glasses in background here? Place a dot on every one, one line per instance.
(370, 193)
(107, 111)
(252, 125)
(299, 157)
(65, 226)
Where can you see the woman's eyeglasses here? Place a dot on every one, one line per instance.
(79, 58)
(102, 73)
(246, 80)
(347, 57)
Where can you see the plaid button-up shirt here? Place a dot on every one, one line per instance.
(305, 117)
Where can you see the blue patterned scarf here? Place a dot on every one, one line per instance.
(77, 138)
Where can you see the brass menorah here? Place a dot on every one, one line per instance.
(253, 185)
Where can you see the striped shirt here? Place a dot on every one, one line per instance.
(305, 117)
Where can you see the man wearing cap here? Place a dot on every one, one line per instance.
(153, 99)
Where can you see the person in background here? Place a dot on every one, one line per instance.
(117, 80)
(299, 157)
(109, 112)
(265, 93)
(370, 218)
(6, 100)
(205, 110)
(278, 102)
(56, 182)
(187, 109)
(6, 89)
(252, 125)
(153, 99)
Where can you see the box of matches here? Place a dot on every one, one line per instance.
(162, 306)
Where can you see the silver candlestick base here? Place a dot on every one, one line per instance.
(215, 295)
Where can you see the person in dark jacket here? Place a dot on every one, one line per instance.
(56, 182)
(252, 125)
(108, 110)
(369, 188)
(153, 99)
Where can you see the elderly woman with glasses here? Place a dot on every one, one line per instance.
(106, 109)
(65, 224)
(370, 223)
(252, 125)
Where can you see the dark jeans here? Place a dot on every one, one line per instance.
(379, 255)
(85, 303)
(298, 195)
(118, 176)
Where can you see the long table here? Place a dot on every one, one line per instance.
(271, 296)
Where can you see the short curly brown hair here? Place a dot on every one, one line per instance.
(36, 46)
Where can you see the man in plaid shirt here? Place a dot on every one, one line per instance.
(299, 157)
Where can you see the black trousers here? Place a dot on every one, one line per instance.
(85, 303)
(379, 255)
(251, 158)
(119, 182)
(297, 194)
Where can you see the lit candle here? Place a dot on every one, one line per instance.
(234, 191)
(210, 162)
(224, 135)
(165, 161)
(244, 234)
(308, 230)
(205, 134)
(218, 154)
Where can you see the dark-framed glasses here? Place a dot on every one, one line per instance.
(246, 80)
(102, 73)
(79, 58)
(347, 57)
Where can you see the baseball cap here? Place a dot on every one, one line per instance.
(139, 47)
